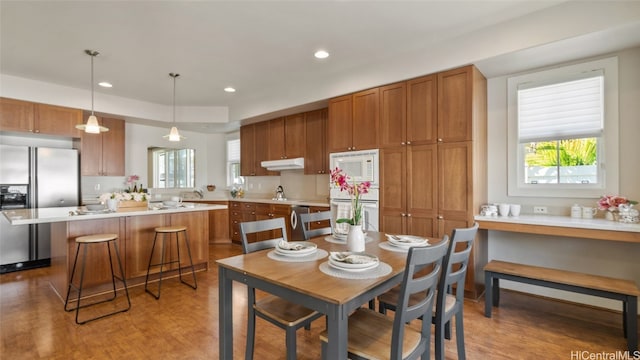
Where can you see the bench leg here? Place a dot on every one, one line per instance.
(488, 292)
(630, 322)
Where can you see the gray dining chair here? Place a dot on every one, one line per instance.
(278, 311)
(372, 335)
(447, 304)
(307, 218)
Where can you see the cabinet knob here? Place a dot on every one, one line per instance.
(439, 139)
(319, 171)
(403, 215)
(349, 148)
(440, 217)
(353, 148)
(408, 142)
(402, 143)
(408, 215)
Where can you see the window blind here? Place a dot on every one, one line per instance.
(567, 110)
(233, 150)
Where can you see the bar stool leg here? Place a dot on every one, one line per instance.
(162, 253)
(193, 270)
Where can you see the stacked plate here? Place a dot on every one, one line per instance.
(296, 248)
(350, 261)
(406, 241)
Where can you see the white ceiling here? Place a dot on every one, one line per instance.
(265, 48)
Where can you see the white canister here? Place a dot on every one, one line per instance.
(576, 211)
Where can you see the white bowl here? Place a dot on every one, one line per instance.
(95, 207)
(170, 203)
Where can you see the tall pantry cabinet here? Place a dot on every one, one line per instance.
(433, 158)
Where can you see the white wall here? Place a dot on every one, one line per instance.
(210, 152)
(609, 258)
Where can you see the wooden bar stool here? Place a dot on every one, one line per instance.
(85, 241)
(166, 231)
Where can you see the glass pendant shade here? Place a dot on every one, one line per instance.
(174, 135)
(92, 126)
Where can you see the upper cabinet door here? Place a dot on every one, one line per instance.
(393, 124)
(58, 120)
(316, 159)
(113, 147)
(294, 135)
(366, 119)
(340, 126)
(455, 95)
(247, 143)
(16, 115)
(276, 139)
(422, 110)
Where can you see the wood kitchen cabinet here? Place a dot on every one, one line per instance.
(240, 212)
(247, 146)
(287, 137)
(103, 154)
(266, 211)
(319, 224)
(354, 121)
(254, 148)
(218, 223)
(433, 173)
(316, 159)
(24, 116)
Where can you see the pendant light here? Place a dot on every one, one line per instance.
(92, 126)
(174, 135)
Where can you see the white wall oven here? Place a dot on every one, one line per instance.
(359, 166)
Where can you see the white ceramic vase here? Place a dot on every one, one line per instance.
(112, 204)
(355, 238)
(609, 215)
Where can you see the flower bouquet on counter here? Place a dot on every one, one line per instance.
(613, 202)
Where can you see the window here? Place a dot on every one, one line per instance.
(233, 163)
(563, 129)
(172, 168)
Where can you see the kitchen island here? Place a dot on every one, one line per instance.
(135, 231)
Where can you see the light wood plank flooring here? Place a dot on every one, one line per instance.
(183, 324)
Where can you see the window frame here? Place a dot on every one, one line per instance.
(231, 162)
(608, 158)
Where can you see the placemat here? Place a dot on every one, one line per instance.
(381, 270)
(388, 246)
(319, 254)
(331, 239)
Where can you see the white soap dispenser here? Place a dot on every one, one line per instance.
(576, 211)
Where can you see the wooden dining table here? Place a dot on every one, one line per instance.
(304, 283)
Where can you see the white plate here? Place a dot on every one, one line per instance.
(334, 262)
(407, 240)
(337, 266)
(307, 249)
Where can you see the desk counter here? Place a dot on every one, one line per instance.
(599, 229)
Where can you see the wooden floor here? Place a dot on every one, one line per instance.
(183, 324)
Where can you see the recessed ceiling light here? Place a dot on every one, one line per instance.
(229, 89)
(105, 84)
(321, 54)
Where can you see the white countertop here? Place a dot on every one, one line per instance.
(563, 221)
(279, 202)
(72, 213)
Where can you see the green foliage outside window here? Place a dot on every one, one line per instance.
(572, 152)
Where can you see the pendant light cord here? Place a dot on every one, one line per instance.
(174, 76)
(92, 56)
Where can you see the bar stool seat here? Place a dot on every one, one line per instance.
(166, 232)
(85, 241)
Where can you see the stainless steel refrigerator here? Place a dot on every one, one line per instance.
(49, 177)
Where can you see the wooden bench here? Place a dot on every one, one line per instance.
(624, 290)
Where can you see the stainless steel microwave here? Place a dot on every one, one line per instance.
(361, 165)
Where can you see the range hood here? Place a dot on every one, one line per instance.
(284, 164)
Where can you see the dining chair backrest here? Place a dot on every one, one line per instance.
(307, 218)
(421, 287)
(456, 262)
(261, 226)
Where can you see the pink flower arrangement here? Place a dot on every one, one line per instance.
(354, 189)
(611, 202)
